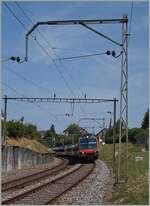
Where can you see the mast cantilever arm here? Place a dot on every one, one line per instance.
(76, 22)
(103, 35)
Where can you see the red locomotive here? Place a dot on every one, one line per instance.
(88, 148)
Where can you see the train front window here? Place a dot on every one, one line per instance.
(87, 146)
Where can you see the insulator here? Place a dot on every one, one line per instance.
(108, 52)
(18, 59)
(13, 58)
(113, 53)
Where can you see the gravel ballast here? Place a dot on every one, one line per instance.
(27, 171)
(35, 198)
(91, 191)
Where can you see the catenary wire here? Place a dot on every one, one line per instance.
(57, 68)
(37, 105)
(59, 71)
(26, 79)
(49, 44)
(81, 56)
(27, 16)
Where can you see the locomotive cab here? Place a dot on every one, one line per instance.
(88, 148)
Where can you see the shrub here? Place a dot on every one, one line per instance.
(17, 129)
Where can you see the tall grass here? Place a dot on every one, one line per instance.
(135, 191)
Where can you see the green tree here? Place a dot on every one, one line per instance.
(142, 136)
(50, 136)
(109, 137)
(15, 129)
(52, 129)
(60, 140)
(132, 133)
(145, 122)
(74, 131)
(31, 131)
(138, 135)
(109, 134)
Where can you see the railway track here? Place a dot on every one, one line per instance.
(28, 179)
(50, 189)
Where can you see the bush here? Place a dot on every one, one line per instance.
(16, 129)
(30, 131)
(138, 135)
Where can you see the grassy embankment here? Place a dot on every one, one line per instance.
(136, 189)
(31, 144)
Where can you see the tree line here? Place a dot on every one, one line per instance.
(70, 136)
(18, 129)
(135, 135)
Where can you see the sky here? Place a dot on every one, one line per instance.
(97, 77)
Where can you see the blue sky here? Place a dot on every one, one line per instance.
(98, 77)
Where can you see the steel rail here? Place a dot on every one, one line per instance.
(22, 195)
(34, 190)
(25, 180)
(57, 196)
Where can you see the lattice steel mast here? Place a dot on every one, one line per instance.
(123, 126)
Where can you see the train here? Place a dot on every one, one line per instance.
(86, 149)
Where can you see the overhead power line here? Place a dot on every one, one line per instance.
(11, 88)
(46, 52)
(72, 79)
(27, 16)
(48, 43)
(13, 13)
(57, 68)
(27, 80)
(81, 56)
(113, 53)
(34, 103)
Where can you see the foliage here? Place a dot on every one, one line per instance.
(74, 131)
(145, 122)
(135, 135)
(109, 137)
(49, 137)
(138, 135)
(46, 142)
(109, 134)
(59, 141)
(52, 129)
(135, 191)
(16, 129)
(69, 140)
(30, 131)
